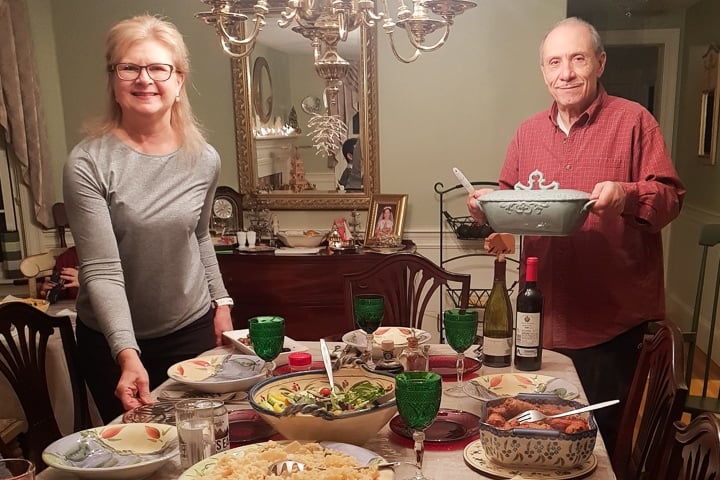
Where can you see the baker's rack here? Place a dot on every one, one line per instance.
(467, 230)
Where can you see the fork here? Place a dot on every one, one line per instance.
(536, 416)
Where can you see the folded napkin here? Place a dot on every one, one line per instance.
(298, 251)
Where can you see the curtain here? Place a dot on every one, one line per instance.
(20, 118)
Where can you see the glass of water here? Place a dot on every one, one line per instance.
(194, 418)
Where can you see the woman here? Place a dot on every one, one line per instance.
(384, 225)
(138, 192)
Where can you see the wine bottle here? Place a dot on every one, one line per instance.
(529, 325)
(498, 321)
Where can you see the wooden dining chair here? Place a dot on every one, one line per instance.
(695, 451)
(408, 282)
(704, 394)
(34, 267)
(655, 401)
(24, 335)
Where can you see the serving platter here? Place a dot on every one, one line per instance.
(476, 459)
(363, 456)
(399, 335)
(449, 426)
(492, 386)
(122, 452)
(239, 337)
(219, 373)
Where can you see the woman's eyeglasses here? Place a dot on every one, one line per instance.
(158, 72)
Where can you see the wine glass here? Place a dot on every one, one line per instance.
(267, 334)
(369, 310)
(460, 332)
(418, 396)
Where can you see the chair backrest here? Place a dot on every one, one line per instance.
(655, 401)
(40, 265)
(695, 452)
(701, 398)
(22, 361)
(61, 222)
(408, 282)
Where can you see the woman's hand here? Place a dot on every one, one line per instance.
(222, 322)
(473, 206)
(70, 275)
(133, 388)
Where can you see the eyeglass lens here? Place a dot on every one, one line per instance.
(159, 72)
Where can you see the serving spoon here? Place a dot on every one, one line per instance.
(328, 363)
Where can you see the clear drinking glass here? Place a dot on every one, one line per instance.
(418, 396)
(267, 334)
(194, 418)
(369, 310)
(460, 332)
(16, 469)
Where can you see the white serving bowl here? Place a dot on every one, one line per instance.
(114, 452)
(219, 373)
(353, 427)
(301, 238)
(534, 448)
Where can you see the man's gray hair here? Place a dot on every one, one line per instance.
(594, 35)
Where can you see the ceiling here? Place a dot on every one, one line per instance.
(590, 8)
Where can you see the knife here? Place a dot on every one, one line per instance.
(328, 363)
(464, 181)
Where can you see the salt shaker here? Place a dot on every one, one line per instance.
(413, 358)
(388, 363)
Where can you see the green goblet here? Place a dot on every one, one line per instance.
(369, 310)
(460, 332)
(418, 396)
(267, 334)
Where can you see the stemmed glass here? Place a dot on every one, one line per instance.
(369, 310)
(460, 332)
(267, 334)
(418, 396)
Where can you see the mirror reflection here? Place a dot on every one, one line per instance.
(286, 148)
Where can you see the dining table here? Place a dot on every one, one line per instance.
(441, 460)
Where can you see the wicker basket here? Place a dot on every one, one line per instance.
(466, 228)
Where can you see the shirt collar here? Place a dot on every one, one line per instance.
(589, 114)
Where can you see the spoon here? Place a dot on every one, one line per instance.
(464, 181)
(328, 363)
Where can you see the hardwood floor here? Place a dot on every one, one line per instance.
(696, 383)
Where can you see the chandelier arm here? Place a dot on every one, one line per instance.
(227, 48)
(411, 59)
(342, 25)
(259, 24)
(431, 48)
(287, 18)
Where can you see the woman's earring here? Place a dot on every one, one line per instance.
(177, 98)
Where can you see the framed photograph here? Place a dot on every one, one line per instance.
(385, 217)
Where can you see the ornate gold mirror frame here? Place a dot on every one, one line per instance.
(243, 98)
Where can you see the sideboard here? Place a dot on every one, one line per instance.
(306, 290)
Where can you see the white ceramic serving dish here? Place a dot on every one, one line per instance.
(114, 452)
(237, 337)
(355, 427)
(399, 335)
(300, 238)
(219, 373)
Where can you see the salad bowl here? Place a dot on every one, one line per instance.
(300, 405)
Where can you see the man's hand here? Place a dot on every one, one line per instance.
(222, 322)
(133, 388)
(610, 199)
(473, 207)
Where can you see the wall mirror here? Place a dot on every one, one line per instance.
(264, 153)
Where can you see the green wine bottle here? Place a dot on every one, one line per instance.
(497, 332)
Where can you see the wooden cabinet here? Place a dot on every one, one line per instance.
(306, 290)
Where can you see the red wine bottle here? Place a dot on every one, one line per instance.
(498, 321)
(529, 321)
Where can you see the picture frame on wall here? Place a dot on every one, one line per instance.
(386, 218)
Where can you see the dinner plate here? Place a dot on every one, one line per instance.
(488, 387)
(247, 426)
(449, 426)
(219, 373)
(175, 392)
(444, 365)
(474, 456)
(158, 412)
(122, 452)
(239, 337)
(362, 455)
(398, 335)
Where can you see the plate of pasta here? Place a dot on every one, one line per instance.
(323, 460)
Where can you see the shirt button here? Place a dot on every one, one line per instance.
(568, 167)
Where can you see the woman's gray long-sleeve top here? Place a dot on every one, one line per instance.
(141, 227)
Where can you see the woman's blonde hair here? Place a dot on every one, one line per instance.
(119, 39)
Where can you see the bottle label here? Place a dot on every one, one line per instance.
(526, 352)
(527, 332)
(497, 347)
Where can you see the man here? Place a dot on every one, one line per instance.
(351, 178)
(605, 282)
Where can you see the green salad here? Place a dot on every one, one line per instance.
(359, 396)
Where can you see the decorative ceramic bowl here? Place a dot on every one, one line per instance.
(547, 210)
(219, 373)
(302, 238)
(355, 427)
(526, 447)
